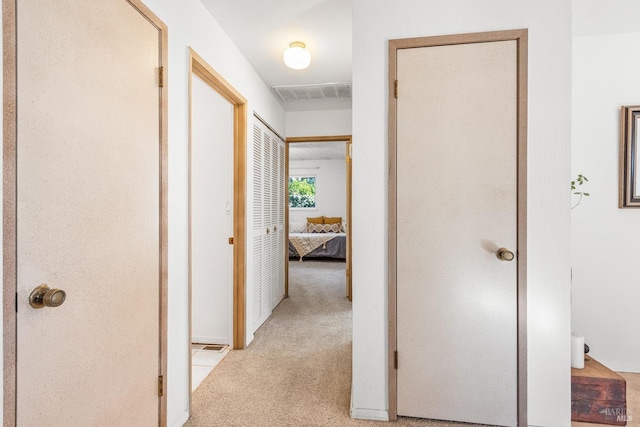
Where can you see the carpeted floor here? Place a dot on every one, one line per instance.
(297, 371)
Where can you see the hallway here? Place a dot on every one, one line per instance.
(297, 371)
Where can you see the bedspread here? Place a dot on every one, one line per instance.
(304, 243)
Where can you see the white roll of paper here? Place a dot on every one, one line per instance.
(577, 351)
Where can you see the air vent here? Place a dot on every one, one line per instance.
(291, 93)
(215, 347)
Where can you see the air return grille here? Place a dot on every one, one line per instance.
(215, 347)
(291, 93)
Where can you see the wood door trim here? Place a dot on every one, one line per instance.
(324, 138)
(10, 202)
(10, 95)
(521, 37)
(164, 199)
(199, 67)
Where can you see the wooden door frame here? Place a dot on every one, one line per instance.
(329, 138)
(520, 36)
(199, 67)
(10, 99)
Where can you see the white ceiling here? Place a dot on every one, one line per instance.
(263, 29)
(317, 150)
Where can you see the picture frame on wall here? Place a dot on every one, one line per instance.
(629, 157)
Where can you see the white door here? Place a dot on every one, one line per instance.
(456, 206)
(212, 146)
(88, 214)
(269, 192)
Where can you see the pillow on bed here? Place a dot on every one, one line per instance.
(323, 228)
(315, 220)
(334, 228)
(333, 220)
(297, 227)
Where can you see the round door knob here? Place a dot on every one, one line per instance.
(505, 254)
(43, 296)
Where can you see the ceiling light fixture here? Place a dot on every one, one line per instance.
(296, 56)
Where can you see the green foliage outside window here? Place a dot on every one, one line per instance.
(302, 192)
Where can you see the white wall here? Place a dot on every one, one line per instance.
(549, 23)
(318, 123)
(605, 244)
(331, 174)
(191, 25)
(331, 183)
(591, 17)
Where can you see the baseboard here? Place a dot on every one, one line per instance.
(182, 420)
(369, 414)
(626, 368)
(249, 338)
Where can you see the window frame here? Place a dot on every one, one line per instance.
(315, 198)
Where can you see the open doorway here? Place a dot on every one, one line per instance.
(319, 207)
(217, 140)
(298, 368)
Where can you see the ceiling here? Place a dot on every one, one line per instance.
(263, 29)
(317, 151)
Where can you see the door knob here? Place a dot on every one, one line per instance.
(505, 254)
(43, 296)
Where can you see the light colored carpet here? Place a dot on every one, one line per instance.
(297, 371)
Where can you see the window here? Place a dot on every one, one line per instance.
(302, 192)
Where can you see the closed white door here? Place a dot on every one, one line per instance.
(212, 147)
(456, 207)
(88, 214)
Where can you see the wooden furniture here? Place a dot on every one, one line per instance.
(598, 395)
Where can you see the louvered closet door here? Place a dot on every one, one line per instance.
(269, 194)
(274, 241)
(257, 317)
(267, 245)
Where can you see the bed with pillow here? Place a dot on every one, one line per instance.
(319, 237)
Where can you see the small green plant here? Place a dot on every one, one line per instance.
(580, 180)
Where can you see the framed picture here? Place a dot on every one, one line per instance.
(629, 157)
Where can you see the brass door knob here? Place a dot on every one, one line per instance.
(43, 296)
(505, 254)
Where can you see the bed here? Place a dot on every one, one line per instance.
(316, 245)
(317, 240)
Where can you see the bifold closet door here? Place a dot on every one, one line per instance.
(269, 198)
(457, 154)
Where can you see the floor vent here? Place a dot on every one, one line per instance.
(290, 93)
(215, 347)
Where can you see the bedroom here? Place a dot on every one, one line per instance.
(317, 201)
(325, 158)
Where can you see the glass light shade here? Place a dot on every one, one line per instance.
(296, 56)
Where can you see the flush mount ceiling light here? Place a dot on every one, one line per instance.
(297, 57)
